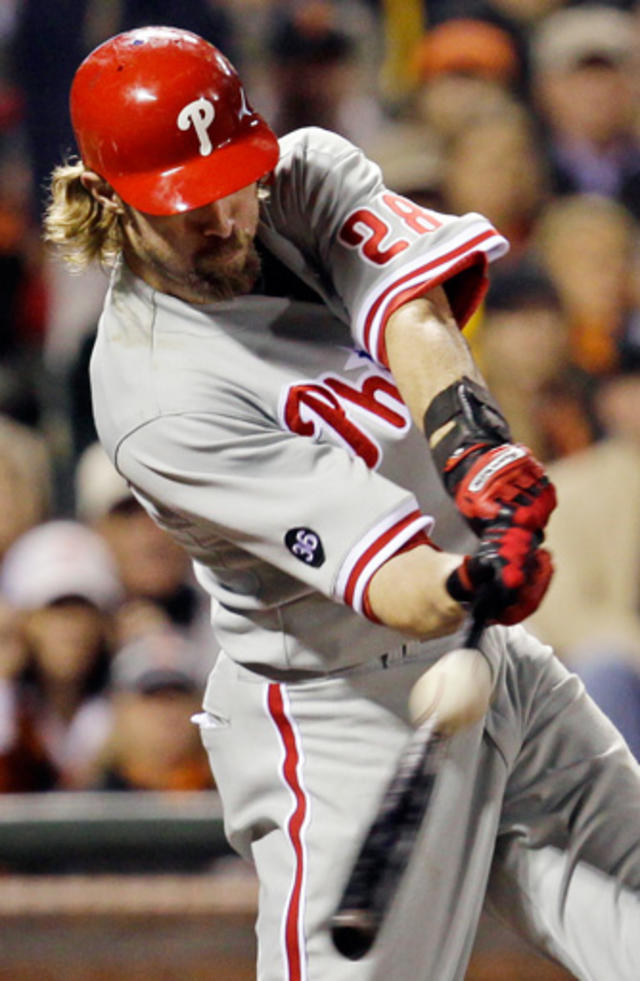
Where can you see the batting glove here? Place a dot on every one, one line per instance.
(506, 578)
(502, 483)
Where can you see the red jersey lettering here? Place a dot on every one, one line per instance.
(418, 219)
(367, 398)
(332, 402)
(366, 231)
(310, 406)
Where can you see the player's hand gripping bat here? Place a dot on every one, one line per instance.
(453, 693)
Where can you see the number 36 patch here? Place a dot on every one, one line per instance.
(305, 545)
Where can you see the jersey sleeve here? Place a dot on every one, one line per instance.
(369, 249)
(226, 487)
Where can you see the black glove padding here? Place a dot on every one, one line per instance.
(506, 577)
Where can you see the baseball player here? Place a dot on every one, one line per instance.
(280, 375)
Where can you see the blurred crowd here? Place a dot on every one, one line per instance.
(526, 111)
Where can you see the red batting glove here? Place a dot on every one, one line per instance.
(500, 483)
(506, 578)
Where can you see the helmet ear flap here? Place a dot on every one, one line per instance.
(163, 117)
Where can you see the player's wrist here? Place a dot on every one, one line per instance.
(408, 593)
(489, 476)
(462, 417)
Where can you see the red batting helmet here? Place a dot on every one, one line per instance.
(162, 115)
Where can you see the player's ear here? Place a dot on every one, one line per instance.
(102, 191)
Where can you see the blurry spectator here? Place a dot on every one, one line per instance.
(583, 79)
(154, 571)
(23, 387)
(315, 76)
(466, 69)
(22, 286)
(412, 162)
(516, 18)
(155, 689)
(25, 480)
(589, 246)
(61, 576)
(24, 764)
(494, 166)
(522, 345)
(591, 613)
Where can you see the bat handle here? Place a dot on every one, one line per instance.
(476, 630)
(480, 613)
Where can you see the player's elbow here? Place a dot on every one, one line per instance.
(408, 593)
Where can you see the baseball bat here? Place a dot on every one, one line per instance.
(386, 849)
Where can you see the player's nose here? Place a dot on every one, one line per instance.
(215, 218)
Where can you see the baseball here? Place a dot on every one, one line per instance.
(456, 689)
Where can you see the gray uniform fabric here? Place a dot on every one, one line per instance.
(547, 778)
(266, 434)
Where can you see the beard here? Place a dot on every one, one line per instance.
(223, 271)
(220, 269)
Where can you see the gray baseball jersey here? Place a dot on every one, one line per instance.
(202, 408)
(266, 434)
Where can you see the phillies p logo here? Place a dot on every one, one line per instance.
(200, 114)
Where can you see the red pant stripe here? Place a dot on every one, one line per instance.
(291, 772)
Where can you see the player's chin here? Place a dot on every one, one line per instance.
(236, 276)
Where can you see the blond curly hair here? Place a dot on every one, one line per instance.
(81, 229)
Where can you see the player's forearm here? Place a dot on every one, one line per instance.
(488, 476)
(426, 352)
(408, 593)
